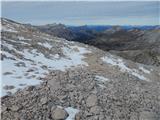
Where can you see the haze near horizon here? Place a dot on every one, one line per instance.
(83, 13)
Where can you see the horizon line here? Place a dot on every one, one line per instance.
(75, 24)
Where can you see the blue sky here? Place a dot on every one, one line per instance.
(81, 13)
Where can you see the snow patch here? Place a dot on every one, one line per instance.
(75, 54)
(13, 75)
(8, 29)
(22, 38)
(73, 59)
(101, 78)
(144, 70)
(7, 54)
(33, 65)
(46, 45)
(120, 63)
(56, 56)
(102, 86)
(72, 112)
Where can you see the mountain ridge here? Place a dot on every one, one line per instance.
(120, 40)
(71, 76)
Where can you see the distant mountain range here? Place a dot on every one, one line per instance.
(105, 27)
(138, 43)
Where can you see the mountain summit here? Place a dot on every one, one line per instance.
(49, 78)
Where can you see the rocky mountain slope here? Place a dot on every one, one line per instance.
(58, 30)
(142, 46)
(50, 78)
(78, 33)
(137, 43)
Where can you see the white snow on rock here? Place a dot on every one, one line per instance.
(73, 58)
(22, 38)
(76, 55)
(46, 45)
(113, 60)
(13, 75)
(19, 73)
(9, 46)
(8, 29)
(72, 112)
(144, 70)
(101, 78)
(56, 56)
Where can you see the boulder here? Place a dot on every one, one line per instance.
(59, 114)
(15, 108)
(43, 100)
(91, 100)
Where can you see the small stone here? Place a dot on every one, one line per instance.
(31, 88)
(43, 100)
(52, 106)
(3, 108)
(62, 97)
(15, 108)
(7, 73)
(95, 110)
(8, 87)
(91, 100)
(16, 115)
(88, 114)
(59, 114)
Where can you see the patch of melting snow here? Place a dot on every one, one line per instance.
(8, 29)
(7, 80)
(75, 54)
(56, 56)
(102, 86)
(22, 38)
(22, 42)
(144, 70)
(101, 78)
(46, 45)
(72, 112)
(74, 58)
(120, 63)
(16, 77)
(9, 46)
(7, 54)
(36, 65)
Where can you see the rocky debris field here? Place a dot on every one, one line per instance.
(120, 99)
(49, 78)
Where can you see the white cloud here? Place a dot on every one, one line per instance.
(80, 13)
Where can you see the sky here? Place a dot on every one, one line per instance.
(83, 13)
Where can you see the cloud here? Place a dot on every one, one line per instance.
(83, 12)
